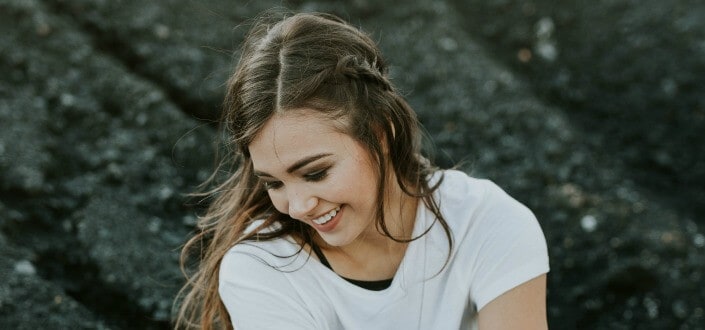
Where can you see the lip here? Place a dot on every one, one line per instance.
(330, 225)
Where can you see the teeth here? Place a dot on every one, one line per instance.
(326, 217)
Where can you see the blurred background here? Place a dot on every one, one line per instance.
(590, 112)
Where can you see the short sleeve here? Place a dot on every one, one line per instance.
(259, 296)
(508, 247)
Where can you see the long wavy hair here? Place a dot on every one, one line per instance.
(293, 61)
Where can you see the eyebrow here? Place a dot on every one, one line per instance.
(299, 164)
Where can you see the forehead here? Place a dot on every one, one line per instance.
(292, 135)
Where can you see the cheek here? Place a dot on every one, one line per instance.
(358, 184)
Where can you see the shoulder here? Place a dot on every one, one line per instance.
(256, 274)
(480, 207)
(275, 255)
(252, 261)
(500, 243)
(468, 200)
(247, 267)
(459, 186)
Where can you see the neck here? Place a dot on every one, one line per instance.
(375, 255)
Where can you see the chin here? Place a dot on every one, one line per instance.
(335, 241)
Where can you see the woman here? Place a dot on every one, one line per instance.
(334, 220)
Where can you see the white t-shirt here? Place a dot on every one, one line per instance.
(498, 245)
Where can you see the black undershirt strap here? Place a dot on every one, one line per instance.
(369, 285)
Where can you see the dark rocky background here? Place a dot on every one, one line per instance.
(591, 112)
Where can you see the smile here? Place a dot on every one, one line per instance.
(326, 217)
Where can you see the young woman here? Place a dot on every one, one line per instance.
(332, 218)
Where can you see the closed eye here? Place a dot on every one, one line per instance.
(272, 185)
(317, 175)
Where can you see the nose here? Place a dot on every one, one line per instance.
(301, 204)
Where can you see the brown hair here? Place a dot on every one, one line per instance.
(315, 61)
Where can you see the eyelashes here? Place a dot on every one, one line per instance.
(317, 175)
(314, 176)
(272, 185)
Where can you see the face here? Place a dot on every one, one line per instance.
(317, 175)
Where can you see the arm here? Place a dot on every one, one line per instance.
(523, 307)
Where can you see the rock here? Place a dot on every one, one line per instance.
(24, 267)
(580, 112)
(24, 148)
(110, 133)
(130, 255)
(28, 301)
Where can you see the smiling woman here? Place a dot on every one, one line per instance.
(334, 219)
(332, 177)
